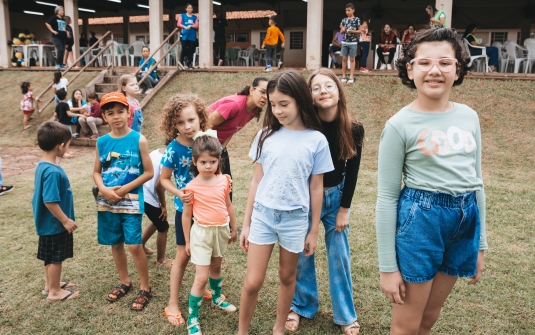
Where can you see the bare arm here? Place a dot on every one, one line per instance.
(316, 200)
(50, 28)
(167, 183)
(186, 219)
(108, 192)
(147, 167)
(54, 208)
(160, 192)
(233, 223)
(258, 174)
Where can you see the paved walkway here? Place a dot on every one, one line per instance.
(17, 160)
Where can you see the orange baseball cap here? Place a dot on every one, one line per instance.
(113, 97)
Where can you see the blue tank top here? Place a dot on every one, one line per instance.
(121, 164)
(191, 34)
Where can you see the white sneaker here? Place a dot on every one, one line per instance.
(279, 64)
(350, 81)
(344, 80)
(389, 67)
(268, 69)
(383, 67)
(148, 91)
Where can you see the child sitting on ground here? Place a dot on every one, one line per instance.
(122, 166)
(212, 211)
(53, 209)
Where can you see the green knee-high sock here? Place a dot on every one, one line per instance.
(215, 286)
(193, 317)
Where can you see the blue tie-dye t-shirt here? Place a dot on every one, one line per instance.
(178, 158)
(121, 164)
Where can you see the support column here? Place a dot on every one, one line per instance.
(85, 27)
(126, 29)
(5, 32)
(156, 26)
(71, 10)
(314, 34)
(525, 29)
(446, 6)
(172, 24)
(206, 47)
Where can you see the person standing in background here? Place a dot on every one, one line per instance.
(220, 42)
(93, 39)
(58, 27)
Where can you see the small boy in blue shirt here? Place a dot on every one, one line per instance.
(53, 209)
(122, 166)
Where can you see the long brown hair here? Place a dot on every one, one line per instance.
(343, 121)
(290, 83)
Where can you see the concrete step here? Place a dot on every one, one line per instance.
(111, 79)
(106, 87)
(139, 97)
(86, 142)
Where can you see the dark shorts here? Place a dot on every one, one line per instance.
(68, 45)
(179, 231)
(54, 249)
(436, 232)
(153, 213)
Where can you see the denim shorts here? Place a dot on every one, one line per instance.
(117, 228)
(436, 232)
(349, 50)
(269, 226)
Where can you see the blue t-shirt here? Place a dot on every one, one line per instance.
(51, 185)
(121, 164)
(287, 168)
(189, 35)
(146, 67)
(178, 158)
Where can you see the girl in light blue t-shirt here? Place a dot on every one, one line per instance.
(291, 156)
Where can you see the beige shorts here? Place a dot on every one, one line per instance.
(207, 242)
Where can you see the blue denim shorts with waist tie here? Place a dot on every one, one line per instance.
(436, 232)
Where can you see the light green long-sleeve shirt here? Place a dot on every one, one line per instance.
(437, 152)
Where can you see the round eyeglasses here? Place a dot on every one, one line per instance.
(426, 64)
(329, 87)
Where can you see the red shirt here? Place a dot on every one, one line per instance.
(234, 110)
(97, 112)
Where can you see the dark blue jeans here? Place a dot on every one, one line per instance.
(492, 53)
(270, 55)
(365, 47)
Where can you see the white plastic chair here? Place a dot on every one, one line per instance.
(396, 55)
(195, 56)
(118, 54)
(135, 51)
(171, 56)
(512, 56)
(246, 56)
(530, 45)
(477, 58)
(528, 40)
(337, 53)
(502, 55)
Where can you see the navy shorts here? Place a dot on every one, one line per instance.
(179, 231)
(436, 232)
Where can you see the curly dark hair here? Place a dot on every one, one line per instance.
(433, 35)
(174, 107)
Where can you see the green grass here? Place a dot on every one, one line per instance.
(502, 303)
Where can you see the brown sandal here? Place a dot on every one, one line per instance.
(142, 299)
(119, 292)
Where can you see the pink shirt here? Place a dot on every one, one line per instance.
(209, 201)
(234, 110)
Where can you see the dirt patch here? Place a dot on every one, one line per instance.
(18, 160)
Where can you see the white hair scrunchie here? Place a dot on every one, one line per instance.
(209, 132)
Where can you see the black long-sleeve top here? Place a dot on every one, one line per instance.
(350, 167)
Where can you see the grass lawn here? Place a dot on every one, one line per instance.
(502, 303)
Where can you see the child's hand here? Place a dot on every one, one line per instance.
(262, 46)
(311, 242)
(110, 195)
(163, 216)
(392, 286)
(282, 45)
(343, 29)
(69, 225)
(244, 243)
(233, 236)
(185, 196)
(342, 219)
(479, 269)
(188, 249)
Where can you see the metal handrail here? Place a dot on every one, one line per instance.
(96, 44)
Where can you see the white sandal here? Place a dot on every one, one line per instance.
(353, 325)
(293, 317)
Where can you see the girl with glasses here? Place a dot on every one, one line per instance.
(432, 231)
(345, 136)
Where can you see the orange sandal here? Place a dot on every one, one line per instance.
(177, 316)
(207, 297)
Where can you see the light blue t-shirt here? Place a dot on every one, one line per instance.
(51, 185)
(288, 160)
(121, 164)
(178, 158)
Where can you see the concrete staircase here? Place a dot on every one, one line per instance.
(107, 82)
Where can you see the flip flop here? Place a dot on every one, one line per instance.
(65, 285)
(67, 297)
(292, 316)
(166, 263)
(177, 316)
